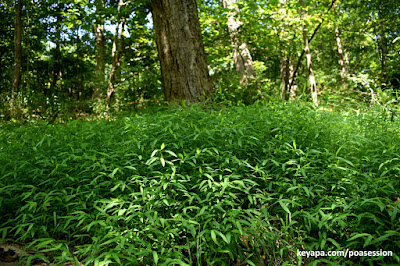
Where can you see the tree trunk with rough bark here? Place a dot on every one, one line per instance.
(100, 46)
(17, 48)
(311, 77)
(243, 60)
(181, 52)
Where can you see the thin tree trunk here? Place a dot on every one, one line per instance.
(286, 66)
(57, 65)
(28, 50)
(241, 54)
(17, 48)
(37, 74)
(100, 50)
(80, 67)
(284, 78)
(284, 61)
(311, 77)
(293, 89)
(383, 55)
(116, 55)
(181, 52)
(309, 41)
(56, 73)
(121, 48)
(1, 65)
(341, 55)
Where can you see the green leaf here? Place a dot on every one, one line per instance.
(368, 241)
(171, 153)
(239, 226)
(223, 237)
(389, 234)
(37, 256)
(155, 257)
(153, 153)
(114, 172)
(358, 236)
(284, 207)
(336, 244)
(250, 262)
(214, 237)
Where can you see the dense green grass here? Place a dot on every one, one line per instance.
(237, 185)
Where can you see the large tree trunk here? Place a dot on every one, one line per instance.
(17, 47)
(311, 77)
(180, 48)
(241, 54)
(100, 45)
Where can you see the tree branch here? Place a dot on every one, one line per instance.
(309, 41)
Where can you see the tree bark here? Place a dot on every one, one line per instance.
(100, 47)
(17, 48)
(241, 54)
(311, 77)
(181, 52)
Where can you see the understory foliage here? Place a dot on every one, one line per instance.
(199, 186)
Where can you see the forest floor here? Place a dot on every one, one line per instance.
(192, 186)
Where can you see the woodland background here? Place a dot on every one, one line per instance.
(83, 57)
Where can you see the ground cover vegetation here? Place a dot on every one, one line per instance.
(196, 186)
